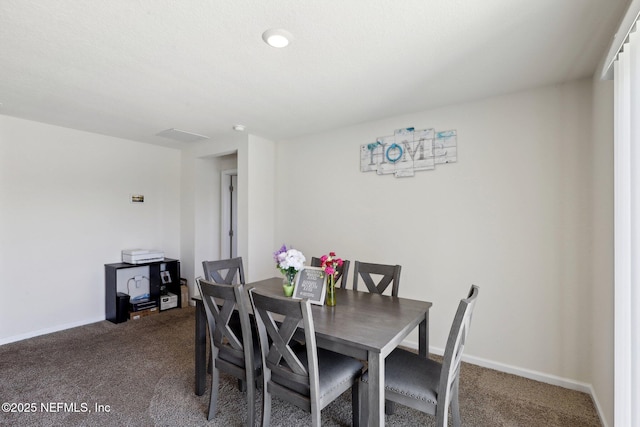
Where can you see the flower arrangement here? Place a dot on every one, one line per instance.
(330, 264)
(289, 262)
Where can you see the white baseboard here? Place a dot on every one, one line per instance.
(526, 373)
(57, 328)
(596, 402)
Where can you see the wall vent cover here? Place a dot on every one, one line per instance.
(181, 135)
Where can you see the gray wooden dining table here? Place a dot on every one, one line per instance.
(363, 325)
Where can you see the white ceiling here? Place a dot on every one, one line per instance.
(132, 69)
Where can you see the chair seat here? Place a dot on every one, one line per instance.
(334, 369)
(412, 375)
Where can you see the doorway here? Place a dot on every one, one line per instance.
(229, 214)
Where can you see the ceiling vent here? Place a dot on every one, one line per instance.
(181, 135)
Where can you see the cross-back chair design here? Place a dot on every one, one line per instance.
(390, 275)
(424, 384)
(306, 376)
(225, 271)
(342, 271)
(233, 354)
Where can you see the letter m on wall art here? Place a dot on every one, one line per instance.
(409, 150)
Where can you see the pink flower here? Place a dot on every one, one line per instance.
(329, 263)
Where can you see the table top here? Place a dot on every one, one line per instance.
(364, 320)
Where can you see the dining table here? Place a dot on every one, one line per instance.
(363, 325)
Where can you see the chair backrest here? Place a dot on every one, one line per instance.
(283, 371)
(342, 271)
(389, 275)
(452, 358)
(226, 271)
(220, 301)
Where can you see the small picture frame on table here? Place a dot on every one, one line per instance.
(311, 285)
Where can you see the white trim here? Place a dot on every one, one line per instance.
(525, 373)
(596, 402)
(634, 196)
(623, 242)
(510, 369)
(530, 374)
(619, 39)
(57, 328)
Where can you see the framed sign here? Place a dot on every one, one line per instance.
(311, 285)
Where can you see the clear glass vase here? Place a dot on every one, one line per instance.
(288, 282)
(330, 299)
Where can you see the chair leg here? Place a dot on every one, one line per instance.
(389, 407)
(242, 385)
(455, 406)
(266, 407)
(355, 404)
(213, 400)
(442, 417)
(251, 403)
(316, 418)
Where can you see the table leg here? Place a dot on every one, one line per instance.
(201, 348)
(376, 389)
(423, 337)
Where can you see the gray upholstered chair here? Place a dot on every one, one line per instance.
(306, 376)
(425, 384)
(377, 278)
(343, 271)
(225, 271)
(233, 354)
(384, 274)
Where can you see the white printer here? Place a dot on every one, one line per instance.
(141, 256)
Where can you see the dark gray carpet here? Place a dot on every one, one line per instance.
(144, 371)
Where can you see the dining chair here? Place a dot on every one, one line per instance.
(225, 271)
(383, 276)
(377, 278)
(306, 376)
(342, 271)
(424, 384)
(236, 355)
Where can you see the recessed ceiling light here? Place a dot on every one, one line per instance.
(277, 37)
(239, 128)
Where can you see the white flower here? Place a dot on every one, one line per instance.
(292, 259)
(296, 259)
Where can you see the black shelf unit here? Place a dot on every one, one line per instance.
(155, 282)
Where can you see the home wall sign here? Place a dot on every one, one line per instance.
(409, 150)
